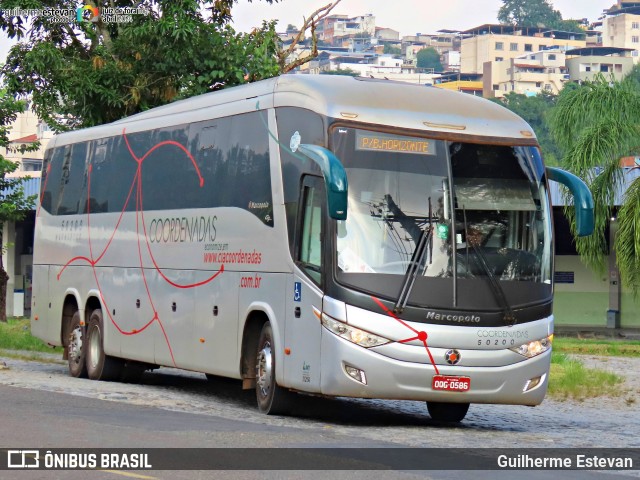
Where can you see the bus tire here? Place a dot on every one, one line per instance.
(99, 365)
(76, 347)
(272, 399)
(447, 412)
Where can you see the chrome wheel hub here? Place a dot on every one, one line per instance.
(94, 347)
(75, 344)
(263, 368)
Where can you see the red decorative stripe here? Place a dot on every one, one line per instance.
(93, 262)
(421, 335)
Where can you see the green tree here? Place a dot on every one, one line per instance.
(79, 74)
(633, 77)
(429, 58)
(528, 13)
(97, 72)
(391, 50)
(13, 203)
(569, 26)
(341, 71)
(534, 13)
(596, 124)
(535, 110)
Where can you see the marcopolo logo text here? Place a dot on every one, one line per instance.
(453, 317)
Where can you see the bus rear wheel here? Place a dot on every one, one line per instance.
(76, 347)
(447, 412)
(272, 399)
(99, 365)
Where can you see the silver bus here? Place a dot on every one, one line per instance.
(307, 234)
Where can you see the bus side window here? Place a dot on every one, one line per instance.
(310, 251)
(73, 185)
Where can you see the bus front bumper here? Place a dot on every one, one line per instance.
(389, 378)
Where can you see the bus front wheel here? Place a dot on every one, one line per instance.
(76, 347)
(447, 412)
(99, 365)
(272, 399)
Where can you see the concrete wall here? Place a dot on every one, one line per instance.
(586, 301)
(622, 31)
(17, 258)
(8, 260)
(618, 66)
(482, 48)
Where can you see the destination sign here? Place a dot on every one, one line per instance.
(381, 142)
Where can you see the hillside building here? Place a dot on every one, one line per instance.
(501, 43)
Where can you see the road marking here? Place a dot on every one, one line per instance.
(130, 475)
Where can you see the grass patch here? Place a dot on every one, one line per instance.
(570, 379)
(617, 348)
(30, 357)
(16, 335)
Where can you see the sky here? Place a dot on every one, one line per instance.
(406, 16)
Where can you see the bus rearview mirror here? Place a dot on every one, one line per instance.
(582, 199)
(335, 178)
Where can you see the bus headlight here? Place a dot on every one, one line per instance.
(534, 348)
(355, 335)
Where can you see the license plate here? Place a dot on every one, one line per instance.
(451, 383)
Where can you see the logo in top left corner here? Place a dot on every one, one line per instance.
(87, 13)
(23, 459)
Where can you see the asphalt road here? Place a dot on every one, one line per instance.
(54, 420)
(40, 406)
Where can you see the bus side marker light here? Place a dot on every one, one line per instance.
(202, 340)
(355, 373)
(448, 126)
(36, 318)
(287, 351)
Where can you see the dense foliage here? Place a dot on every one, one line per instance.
(534, 13)
(87, 73)
(391, 50)
(535, 110)
(341, 71)
(13, 203)
(429, 58)
(596, 124)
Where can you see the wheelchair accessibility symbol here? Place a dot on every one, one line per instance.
(297, 291)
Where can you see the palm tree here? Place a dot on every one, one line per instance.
(596, 124)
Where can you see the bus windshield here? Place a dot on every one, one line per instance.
(485, 208)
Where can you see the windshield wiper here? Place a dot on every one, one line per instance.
(496, 288)
(494, 283)
(424, 244)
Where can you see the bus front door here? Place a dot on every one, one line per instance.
(304, 299)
